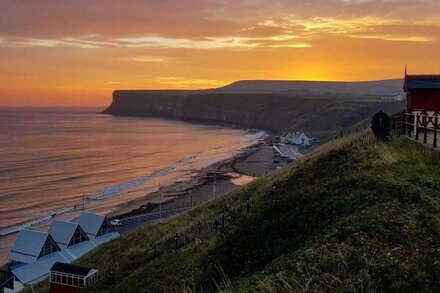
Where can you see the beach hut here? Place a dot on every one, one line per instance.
(422, 93)
(34, 253)
(31, 245)
(96, 226)
(68, 278)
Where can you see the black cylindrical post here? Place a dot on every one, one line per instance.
(436, 128)
(176, 239)
(223, 217)
(199, 226)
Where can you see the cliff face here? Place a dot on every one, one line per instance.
(277, 113)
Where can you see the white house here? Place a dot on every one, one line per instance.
(34, 253)
(298, 138)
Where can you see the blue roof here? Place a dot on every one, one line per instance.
(90, 223)
(422, 82)
(27, 246)
(62, 232)
(78, 250)
(104, 238)
(37, 271)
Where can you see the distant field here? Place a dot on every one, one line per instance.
(350, 219)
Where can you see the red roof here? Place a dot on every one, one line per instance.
(422, 76)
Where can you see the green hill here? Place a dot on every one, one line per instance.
(353, 216)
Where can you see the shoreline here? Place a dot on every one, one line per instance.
(229, 174)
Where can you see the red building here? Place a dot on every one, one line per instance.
(423, 93)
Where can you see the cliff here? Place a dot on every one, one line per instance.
(274, 112)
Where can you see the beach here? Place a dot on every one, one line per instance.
(209, 183)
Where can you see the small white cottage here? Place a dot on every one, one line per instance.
(298, 138)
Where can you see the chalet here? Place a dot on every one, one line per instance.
(97, 227)
(34, 253)
(68, 278)
(298, 138)
(423, 93)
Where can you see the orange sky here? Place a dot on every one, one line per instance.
(78, 52)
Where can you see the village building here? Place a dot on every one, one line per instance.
(34, 253)
(422, 93)
(298, 138)
(68, 278)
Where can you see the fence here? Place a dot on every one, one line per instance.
(223, 217)
(417, 125)
(192, 234)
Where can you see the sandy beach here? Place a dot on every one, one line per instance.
(209, 183)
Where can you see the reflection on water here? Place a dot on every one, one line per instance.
(50, 158)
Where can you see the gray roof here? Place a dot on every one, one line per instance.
(37, 271)
(90, 223)
(62, 232)
(27, 246)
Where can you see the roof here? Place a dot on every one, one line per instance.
(104, 238)
(62, 231)
(37, 271)
(90, 223)
(78, 250)
(426, 81)
(71, 269)
(27, 246)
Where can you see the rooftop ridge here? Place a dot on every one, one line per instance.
(422, 76)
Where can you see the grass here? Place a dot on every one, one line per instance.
(345, 219)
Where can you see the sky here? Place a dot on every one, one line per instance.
(75, 53)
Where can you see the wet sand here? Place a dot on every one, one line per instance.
(209, 183)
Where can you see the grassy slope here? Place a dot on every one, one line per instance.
(342, 220)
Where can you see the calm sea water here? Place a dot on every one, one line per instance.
(50, 158)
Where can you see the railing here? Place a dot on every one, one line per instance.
(417, 125)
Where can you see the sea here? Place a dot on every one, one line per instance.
(56, 162)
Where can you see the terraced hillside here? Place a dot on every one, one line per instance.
(353, 216)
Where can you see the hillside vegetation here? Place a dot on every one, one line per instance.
(347, 218)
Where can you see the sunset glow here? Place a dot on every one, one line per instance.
(78, 52)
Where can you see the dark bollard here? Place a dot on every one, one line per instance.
(248, 205)
(176, 239)
(223, 218)
(380, 125)
(199, 226)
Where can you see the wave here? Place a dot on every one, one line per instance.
(112, 191)
(49, 216)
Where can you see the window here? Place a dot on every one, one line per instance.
(78, 237)
(48, 247)
(105, 228)
(75, 281)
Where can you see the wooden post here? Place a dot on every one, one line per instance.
(416, 125)
(403, 122)
(425, 134)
